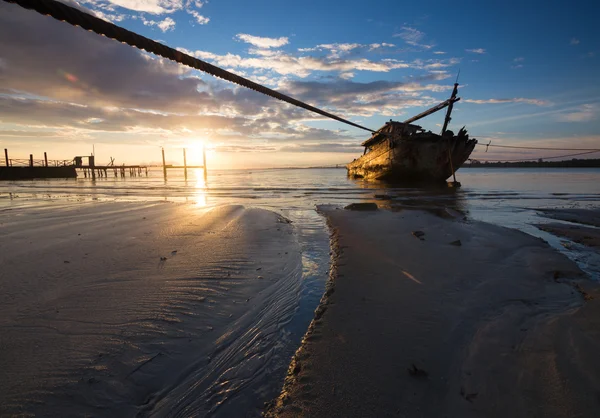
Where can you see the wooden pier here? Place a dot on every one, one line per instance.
(26, 169)
(91, 170)
(19, 169)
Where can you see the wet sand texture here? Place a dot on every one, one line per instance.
(580, 216)
(582, 227)
(117, 309)
(421, 327)
(580, 234)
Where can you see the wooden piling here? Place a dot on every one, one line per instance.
(92, 164)
(184, 165)
(6, 156)
(30, 160)
(164, 164)
(204, 161)
(45, 159)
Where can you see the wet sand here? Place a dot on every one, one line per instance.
(123, 309)
(582, 225)
(431, 317)
(579, 216)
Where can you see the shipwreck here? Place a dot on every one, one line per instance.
(403, 152)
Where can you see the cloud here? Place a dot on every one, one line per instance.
(574, 41)
(105, 9)
(353, 148)
(263, 42)
(476, 51)
(519, 59)
(365, 99)
(337, 50)
(373, 47)
(303, 66)
(585, 113)
(149, 6)
(202, 20)
(439, 52)
(413, 37)
(164, 25)
(536, 102)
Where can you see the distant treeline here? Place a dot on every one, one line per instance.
(540, 163)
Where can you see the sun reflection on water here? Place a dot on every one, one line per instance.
(200, 188)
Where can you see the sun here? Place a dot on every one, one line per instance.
(195, 152)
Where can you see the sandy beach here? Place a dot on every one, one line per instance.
(122, 309)
(432, 317)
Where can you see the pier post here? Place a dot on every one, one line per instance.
(204, 161)
(6, 156)
(184, 165)
(30, 160)
(92, 166)
(164, 165)
(45, 159)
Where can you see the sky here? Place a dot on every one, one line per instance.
(529, 76)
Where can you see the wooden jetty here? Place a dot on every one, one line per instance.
(91, 170)
(27, 169)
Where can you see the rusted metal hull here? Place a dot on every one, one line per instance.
(420, 158)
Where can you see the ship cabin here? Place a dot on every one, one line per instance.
(390, 131)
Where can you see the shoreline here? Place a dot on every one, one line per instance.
(338, 371)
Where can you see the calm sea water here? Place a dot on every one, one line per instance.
(507, 197)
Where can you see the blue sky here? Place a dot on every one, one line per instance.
(528, 74)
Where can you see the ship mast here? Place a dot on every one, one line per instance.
(450, 106)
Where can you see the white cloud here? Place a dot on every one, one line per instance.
(150, 6)
(476, 50)
(413, 37)
(164, 25)
(381, 45)
(536, 102)
(585, 113)
(574, 41)
(519, 59)
(439, 52)
(109, 17)
(286, 64)
(202, 20)
(263, 42)
(167, 24)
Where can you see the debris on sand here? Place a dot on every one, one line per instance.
(163, 259)
(362, 206)
(414, 371)
(456, 243)
(419, 234)
(470, 397)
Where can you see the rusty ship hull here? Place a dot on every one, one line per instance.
(423, 157)
(404, 152)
